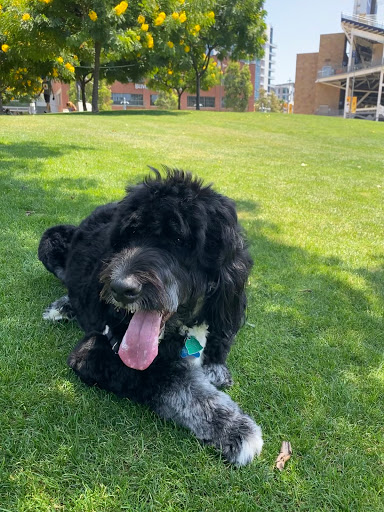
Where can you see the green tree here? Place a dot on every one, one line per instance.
(174, 78)
(166, 100)
(262, 104)
(201, 28)
(238, 86)
(238, 32)
(276, 105)
(104, 96)
(268, 102)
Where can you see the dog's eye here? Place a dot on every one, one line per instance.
(179, 242)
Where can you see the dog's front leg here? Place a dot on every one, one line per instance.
(95, 363)
(193, 402)
(215, 355)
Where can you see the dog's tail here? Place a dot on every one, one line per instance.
(53, 248)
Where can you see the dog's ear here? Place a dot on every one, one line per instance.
(231, 263)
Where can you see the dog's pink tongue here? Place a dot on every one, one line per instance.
(139, 346)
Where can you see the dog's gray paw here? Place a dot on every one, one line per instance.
(242, 442)
(61, 309)
(218, 375)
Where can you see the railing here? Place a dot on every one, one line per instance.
(340, 70)
(369, 20)
(327, 111)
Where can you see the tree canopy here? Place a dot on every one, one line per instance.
(93, 39)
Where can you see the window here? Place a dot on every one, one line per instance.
(205, 101)
(153, 99)
(133, 100)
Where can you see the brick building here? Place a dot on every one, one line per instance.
(346, 76)
(138, 96)
(312, 97)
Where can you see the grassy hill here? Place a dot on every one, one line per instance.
(308, 365)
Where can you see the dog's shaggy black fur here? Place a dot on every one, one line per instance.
(170, 255)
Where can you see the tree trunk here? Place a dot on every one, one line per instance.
(83, 96)
(1, 103)
(179, 100)
(96, 74)
(197, 90)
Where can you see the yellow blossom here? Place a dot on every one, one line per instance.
(175, 15)
(26, 17)
(197, 28)
(162, 15)
(46, 1)
(121, 8)
(149, 41)
(55, 73)
(60, 60)
(138, 38)
(141, 19)
(29, 83)
(5, 48)
(204, 56)
(170, 72)
(92, 15)
(70, 67)
(214, 63)
(181, 42)
(170, 44)
(144, 27)
(181, 1)
(75, 57)
(159, 21)
(211, 15)
(187, 49)
(182, 17)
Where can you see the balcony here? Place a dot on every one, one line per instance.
(364, 22)
(328, 71)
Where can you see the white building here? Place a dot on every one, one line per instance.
(265, 67)
(285, 92)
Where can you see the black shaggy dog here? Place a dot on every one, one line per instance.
(156, 281)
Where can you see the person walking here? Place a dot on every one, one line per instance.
(47, 91)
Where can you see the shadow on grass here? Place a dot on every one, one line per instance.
(138, 112)
(313, 367)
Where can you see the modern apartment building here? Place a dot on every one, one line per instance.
(265, 67)
(346, 76)
(285, 92)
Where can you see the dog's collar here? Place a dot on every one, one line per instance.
(194, 341)
(192, 348)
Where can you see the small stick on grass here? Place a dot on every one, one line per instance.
(284, 455)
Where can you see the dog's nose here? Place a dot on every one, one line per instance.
(126, 290)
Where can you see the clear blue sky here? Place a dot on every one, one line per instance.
(297, 25)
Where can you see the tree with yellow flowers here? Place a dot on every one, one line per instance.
(196, 31)
(27, 53)
(89, 39)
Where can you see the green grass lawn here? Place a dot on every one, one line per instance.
(308, 365)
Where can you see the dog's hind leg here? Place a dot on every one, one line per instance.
(211, 415)
(53, 248)
(61, 309)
